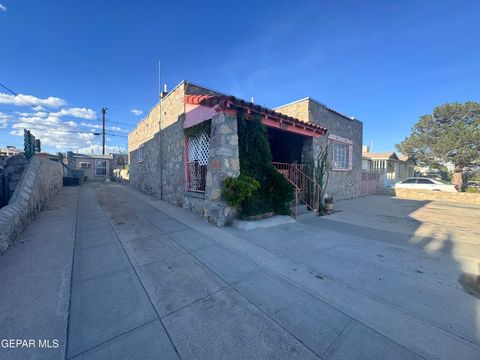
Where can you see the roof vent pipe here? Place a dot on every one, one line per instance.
(164, 92)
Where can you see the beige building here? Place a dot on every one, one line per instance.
(94, 167)
(10, 151)
(392, 168)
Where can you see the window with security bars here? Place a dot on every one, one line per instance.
(197, 148)
(340, 158)
(100, 167)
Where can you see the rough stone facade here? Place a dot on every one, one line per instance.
(156, 152)
(223, 163)
(41, 180)
(11, 170)
(342, 184)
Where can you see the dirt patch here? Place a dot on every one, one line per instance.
(470, 284)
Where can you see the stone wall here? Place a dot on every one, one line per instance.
(148, 175)
(161, 171)
(458, 197)
(164, 114)
(341, 184)
(223, 163)
(41, 180)
(11, 170)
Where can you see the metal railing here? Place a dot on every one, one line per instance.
(307, 190)
(196, 177)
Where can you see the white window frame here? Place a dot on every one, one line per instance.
(347, 144)
(97, 161)
(139, 153)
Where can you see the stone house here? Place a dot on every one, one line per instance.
(185, 168)
(344, 140)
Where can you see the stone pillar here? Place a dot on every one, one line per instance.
(223, 163)
(308, 156)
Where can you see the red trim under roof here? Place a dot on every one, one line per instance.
(231, 103)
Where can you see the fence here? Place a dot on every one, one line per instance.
(196, 177)
(369, 182)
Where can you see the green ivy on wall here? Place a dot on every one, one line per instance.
(275, 192)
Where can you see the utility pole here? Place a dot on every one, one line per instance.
(104, 110)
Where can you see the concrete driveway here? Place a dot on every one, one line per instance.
(115, 274)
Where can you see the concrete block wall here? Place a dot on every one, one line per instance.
(41, 180)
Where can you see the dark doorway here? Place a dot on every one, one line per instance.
(286, 147)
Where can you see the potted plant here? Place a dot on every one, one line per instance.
(328, 202)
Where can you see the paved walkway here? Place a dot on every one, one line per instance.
(151, 281)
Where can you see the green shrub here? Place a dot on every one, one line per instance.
(275, 191)
(281, 193)
(471, 189)
(237, 190)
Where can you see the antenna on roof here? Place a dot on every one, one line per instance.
(251, 99)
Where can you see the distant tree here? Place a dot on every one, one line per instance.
(450, 134)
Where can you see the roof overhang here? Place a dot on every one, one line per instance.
(199, 108)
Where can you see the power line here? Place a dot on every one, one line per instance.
(33, 106)
(85, 125)
(112, 134)
(74, 118)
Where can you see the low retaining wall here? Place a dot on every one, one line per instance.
(458, 197)
(41, 180)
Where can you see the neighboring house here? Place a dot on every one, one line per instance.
(95, 167)
(392, 168)
(10, 151)
(189, 171)
(120, 160)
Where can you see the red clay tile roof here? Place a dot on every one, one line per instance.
(231, 102)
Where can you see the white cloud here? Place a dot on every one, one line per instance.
(29, 100)
(136, 112)
(81, 113)
(54, 132)
(108, 128)
(55, 124)
(97, 149)
(3, 8)
(4, 120)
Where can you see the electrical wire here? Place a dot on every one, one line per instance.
(33, 106)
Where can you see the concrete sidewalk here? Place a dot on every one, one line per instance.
(35, 281)
(151, 281)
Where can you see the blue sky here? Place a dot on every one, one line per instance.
(383, 62)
